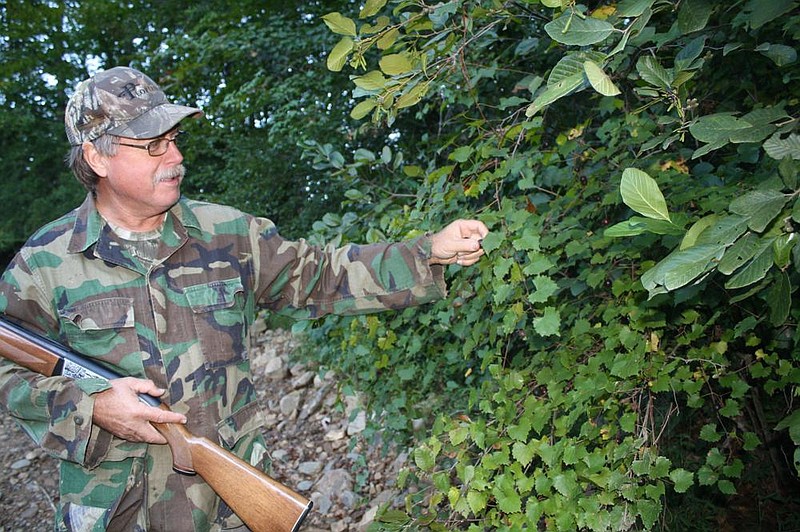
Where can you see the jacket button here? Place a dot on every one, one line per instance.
(79, 420)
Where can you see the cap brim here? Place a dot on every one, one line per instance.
(155, 122)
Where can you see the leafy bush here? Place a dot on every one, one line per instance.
(600, 370)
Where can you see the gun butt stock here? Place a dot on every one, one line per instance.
(262, 503)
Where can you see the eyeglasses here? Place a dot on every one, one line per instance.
(158, 147)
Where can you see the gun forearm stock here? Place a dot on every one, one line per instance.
(262, 503)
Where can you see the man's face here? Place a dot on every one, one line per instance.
(139, 185)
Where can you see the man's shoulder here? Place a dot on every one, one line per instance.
(215, 217)
(53, 230)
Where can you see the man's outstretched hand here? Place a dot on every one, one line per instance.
(458, 243)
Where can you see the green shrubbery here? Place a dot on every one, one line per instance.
(619, 359)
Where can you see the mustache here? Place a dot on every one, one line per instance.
(170, 173)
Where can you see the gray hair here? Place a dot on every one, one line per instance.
(106, 145)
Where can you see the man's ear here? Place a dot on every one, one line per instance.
(94, 159)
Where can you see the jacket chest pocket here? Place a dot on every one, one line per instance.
(219, 320)
(105, 329)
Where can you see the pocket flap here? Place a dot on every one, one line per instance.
(214, 295)
(99, 314)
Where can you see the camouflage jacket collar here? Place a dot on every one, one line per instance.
(88, 227)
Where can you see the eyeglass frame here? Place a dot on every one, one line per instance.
(150, 146)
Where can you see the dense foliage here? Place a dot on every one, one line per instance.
(626, 356)
(616, 361)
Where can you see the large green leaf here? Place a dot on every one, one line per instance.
(633, 8)
(573, 30)
(693, 15)
(761, 12)
(760, 206)
(340, 24)
(756, 269)
(681, 267)
(556, 91)
(599, 79)
(716, 127)
(778, 147)
(779, 299)
(640, 192)
(395, 64)
(338, 56)
(653, 73)
(738, 254)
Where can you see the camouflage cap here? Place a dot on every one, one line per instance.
(124, 102)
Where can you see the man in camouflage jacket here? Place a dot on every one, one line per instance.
(165, 289)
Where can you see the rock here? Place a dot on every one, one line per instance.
(310, 468)
(358, 424)
(290, 403)
(20, 464)
(275, 369)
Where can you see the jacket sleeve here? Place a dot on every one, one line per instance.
(56, 412)
(313, 281)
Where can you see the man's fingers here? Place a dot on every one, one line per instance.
(159, 415)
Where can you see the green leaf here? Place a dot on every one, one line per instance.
(649, 510)
(636, 225)
(682, 267)
(683, 479)
(556, 91)
(755, 270)
(761, 207)
(413, 96)
(338, 56)
(763, 11)
(640, 192)
(572, 64)
(492, 241)
(709, 433)
(424, 458)
(599, 79)
(477, 501)
(717, 127)
(726, 487)
(694, 232)
(653, 73)
(738, 254)
(340, 24)
(548, 324)
(689, 53)
(523, 453)
(791, 422)
(576, 31)
(780, 148)
(395, 64)
(693, 15)
(779, 299)
(633, 8)
(371, 7)
(724, 231)
(371, 81)
(363, 108)
(545, 287)
(782, 249)
(780, 54)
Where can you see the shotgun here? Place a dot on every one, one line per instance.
(261, 502)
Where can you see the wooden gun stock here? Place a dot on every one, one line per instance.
(262, 503)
